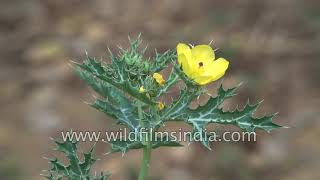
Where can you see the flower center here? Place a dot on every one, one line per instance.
(200, 64)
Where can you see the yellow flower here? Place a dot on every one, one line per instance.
(199, 63)
(160, 106)
(158, 77)
(142, 90)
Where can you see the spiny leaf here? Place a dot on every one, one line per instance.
(199, 118)
(211, 112)
(52, 177)
(215, 102)
(245, 120)
(133, 56)
(162, 60)
(126, 145)
(76, 169)
(122, 112)
(173, 79)
(199, 134)
(102, 88)
(179, 108)
(117, 79)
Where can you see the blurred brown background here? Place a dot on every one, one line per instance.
(273, 47)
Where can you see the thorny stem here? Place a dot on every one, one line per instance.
(146, 150)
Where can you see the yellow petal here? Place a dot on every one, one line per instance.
(202, 53)
(142, 90)
(185, 50)
(202, 80)
(158, 77)
(212, 72)
(160, 106)
(217, 69)
(187, 65)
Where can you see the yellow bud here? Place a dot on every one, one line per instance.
(142, 90)
(160, 106)
(159, 78)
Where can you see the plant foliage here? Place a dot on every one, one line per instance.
(76, 169)
(118, 84)
(129, 94)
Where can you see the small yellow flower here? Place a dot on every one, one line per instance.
(199, 63)
(160, 106)
(142, 90)
(158, 77)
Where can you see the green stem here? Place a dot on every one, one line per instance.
(146, 150)
(145, 161)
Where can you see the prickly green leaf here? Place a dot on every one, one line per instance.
(126, 145)
(102, 88)
(179, 108)
(162, 60)
(124, 113)
(211, 112)
(75, 169)
(132, 55)
(245, 120)
(200, 135)
(172, 80)
(215, 102)
(115, 75)
(51, 177)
